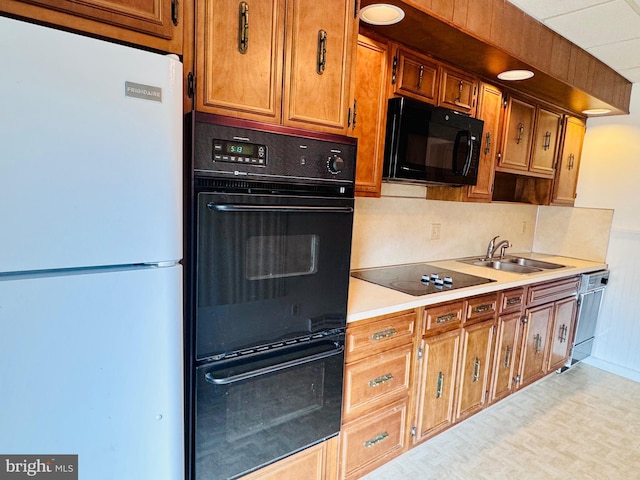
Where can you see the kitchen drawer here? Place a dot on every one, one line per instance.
(369, 337)
(376, 380)
(552, 291)
(439, 318)
(481, 308)
(373, 440)
(512, 300)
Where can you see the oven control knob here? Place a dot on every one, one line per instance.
(335, 163)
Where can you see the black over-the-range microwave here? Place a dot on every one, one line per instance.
(430, 145)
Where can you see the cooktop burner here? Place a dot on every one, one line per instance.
(418, 279)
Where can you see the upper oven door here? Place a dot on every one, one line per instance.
(269, 268)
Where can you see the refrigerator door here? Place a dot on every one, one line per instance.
(92, 365)
(91, 174)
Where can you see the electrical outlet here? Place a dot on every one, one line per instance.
(435, 231)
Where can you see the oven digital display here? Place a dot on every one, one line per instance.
(239, 152)
(247, 149)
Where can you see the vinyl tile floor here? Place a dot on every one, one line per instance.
(582, 424)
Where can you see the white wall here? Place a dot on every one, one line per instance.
(610, 178)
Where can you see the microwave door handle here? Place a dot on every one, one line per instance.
(467, 161)
(276, 208)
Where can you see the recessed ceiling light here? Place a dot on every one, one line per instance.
(381, 14)
(596, 111)
(515, 75)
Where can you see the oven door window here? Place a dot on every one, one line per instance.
(269, 268)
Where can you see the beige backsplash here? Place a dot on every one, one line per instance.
(393, 230)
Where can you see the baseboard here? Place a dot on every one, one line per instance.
(613, 368)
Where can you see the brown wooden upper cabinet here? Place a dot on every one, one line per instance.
(458, 90)
(414, 75)
(489, 110)
(564, 190)
(156, 24)
(530, 139)
(371, 111)
(277, 61)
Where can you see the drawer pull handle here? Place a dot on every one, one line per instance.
(322, 52)
(476, 370)
(445, 318)
(376, 382)
(482, 308)
(390, 332)
(439, 385)
(538, 340)
(520, 132)
(507, 357)
(243, 31)
(563, 333)
(514, 301)
(375, 440)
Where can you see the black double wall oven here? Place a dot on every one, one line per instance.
(272, 214)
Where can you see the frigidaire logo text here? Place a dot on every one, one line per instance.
(146, 92)
(54, 467)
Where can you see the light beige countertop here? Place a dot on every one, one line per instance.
(368, 300)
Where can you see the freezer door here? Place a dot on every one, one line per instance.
(92, 365)
(90, 172)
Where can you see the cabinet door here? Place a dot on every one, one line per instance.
(535, 343)
(564, 190)
(545, 145)
(489, 110)
(506, 355)
(437, 383)
(458, 91)
(517, 135)
(370, 113)
(415, 76)
(235, 78)
(153, 23)
(562, 332)
(475, 366)
(320, 45)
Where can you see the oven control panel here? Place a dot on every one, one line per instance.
(239, 152)
(234, 148)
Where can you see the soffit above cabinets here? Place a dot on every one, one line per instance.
(487, 37)
(607, 29)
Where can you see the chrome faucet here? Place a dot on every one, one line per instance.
(492, 247)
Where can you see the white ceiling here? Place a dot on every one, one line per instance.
(607, 29)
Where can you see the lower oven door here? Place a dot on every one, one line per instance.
(269, 268)
(251, 412)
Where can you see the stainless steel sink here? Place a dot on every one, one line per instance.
(513, 264)
(530, 262)
(504, 265)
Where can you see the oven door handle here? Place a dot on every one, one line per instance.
(230, 207)
(209, 377)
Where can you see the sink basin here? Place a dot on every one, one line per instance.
(529, 262)
(505, 265)
(513, 264)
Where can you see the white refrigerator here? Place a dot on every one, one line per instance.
(91, 343)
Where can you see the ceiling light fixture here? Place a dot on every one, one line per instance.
(515, 75)
(381, 14)
(596, 111)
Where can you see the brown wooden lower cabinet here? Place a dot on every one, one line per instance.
(475, 368)
(407, 381)
(373, 440)
(436, 389)
(315, 463)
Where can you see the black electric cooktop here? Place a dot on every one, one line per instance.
(419, 278)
